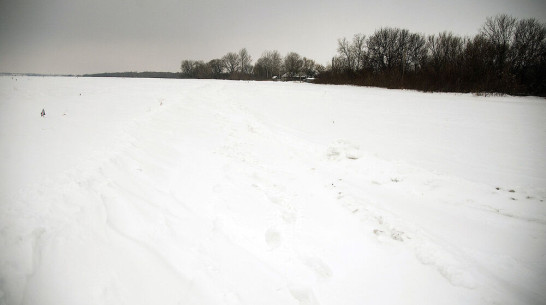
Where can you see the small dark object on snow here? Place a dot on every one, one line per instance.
(42, 113)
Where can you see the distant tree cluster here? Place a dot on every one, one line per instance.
(506, 56)
(238, 65)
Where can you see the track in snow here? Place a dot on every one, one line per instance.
(213, 192)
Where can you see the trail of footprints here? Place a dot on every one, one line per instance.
(390, 229)
(273, 237)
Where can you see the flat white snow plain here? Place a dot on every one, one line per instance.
(139, 191)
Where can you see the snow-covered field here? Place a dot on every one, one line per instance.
(134, 191)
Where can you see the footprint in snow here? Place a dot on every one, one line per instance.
(272, 238)
(343, 148)
(304, 295)
(321, 269)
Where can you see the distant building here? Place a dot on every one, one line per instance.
(301, 76)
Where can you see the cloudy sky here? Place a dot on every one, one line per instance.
(89, 36)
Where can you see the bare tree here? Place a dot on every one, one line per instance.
(293, 64)
(186, 68)
(337, 64)
(401, 46)
(217, 67)
(383, 49)
(499, 31)
(358, 48)
(261, 68)
(319, 69)
(478, 62)
(346, 55)
(415, 52)
(245, 61)
(231, 62)
(268, 65)
(529, 44)
(445, 50)
(396, 49)
(352, 54)
(308, 67)
(195, 69)
(276, 62)
(202, 70)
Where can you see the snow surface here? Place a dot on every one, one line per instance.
(139, 191)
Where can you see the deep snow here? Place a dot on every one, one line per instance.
(135, 191)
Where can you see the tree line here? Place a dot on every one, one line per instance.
(506, 56)
(238, 65)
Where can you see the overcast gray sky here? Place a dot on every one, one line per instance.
(88, 36)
